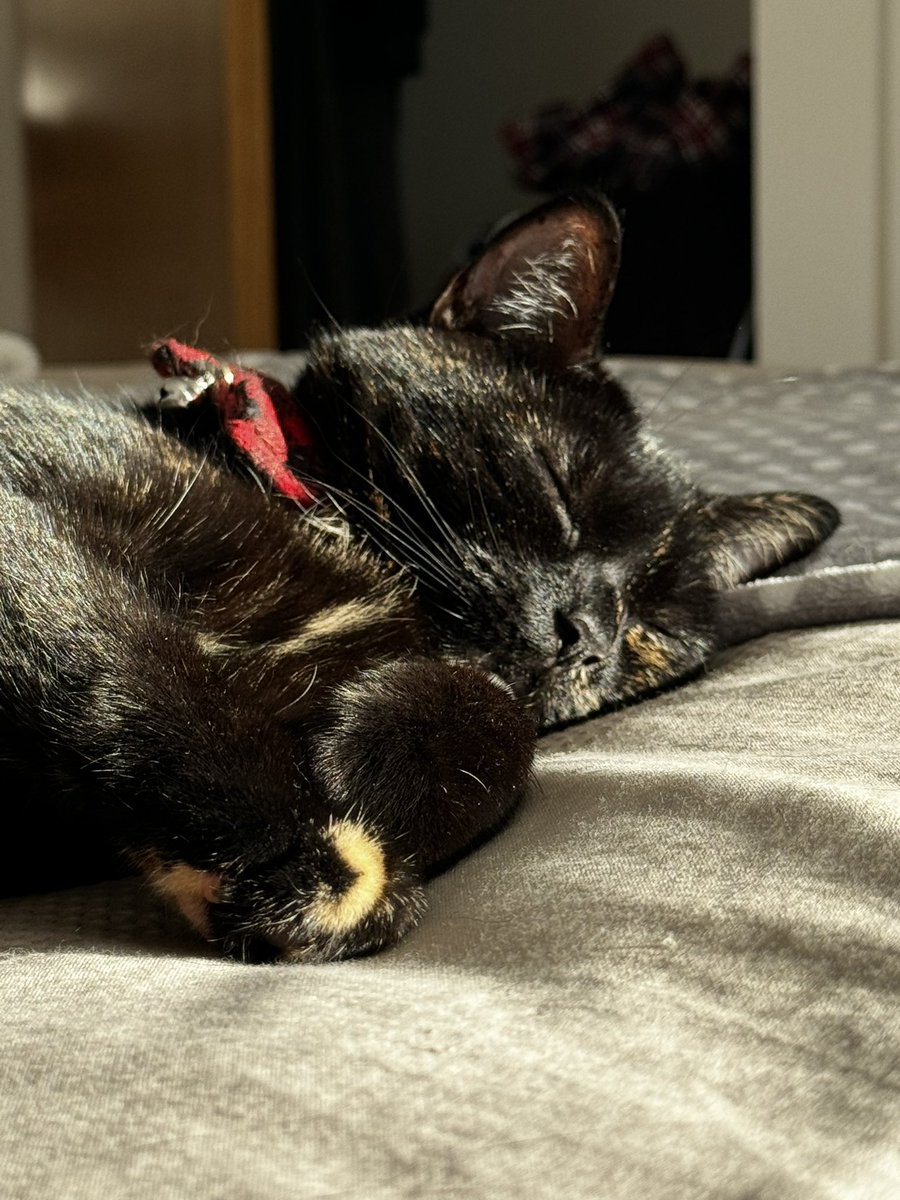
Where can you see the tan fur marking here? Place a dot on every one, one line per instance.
(210, 644)
(192, 890)
(648, 649)
(333, 621)
(356, 846)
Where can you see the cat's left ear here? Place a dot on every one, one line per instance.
(750, 536)
(544, 283)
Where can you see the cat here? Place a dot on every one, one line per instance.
(289, 722)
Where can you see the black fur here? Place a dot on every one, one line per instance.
(287, 721)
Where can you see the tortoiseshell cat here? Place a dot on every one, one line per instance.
(289, 727)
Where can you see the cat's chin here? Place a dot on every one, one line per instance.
(552, 714)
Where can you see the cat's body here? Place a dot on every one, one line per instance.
(173, 645)
(288, 726)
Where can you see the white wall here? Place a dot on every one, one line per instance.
(820, 177)
(889, 183)
(488, 60)
(15, 290)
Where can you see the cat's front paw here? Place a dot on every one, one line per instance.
(339, 891)
(438, 753)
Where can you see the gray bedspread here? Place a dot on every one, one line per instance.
(675, 975)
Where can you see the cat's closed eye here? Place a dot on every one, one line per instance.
(558, 492)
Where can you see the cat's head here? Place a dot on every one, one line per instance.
(552, 540)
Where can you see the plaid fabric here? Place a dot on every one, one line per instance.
(653, 120)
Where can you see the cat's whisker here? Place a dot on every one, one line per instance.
(674, 383)
(449, 612)
(434, 566)
(436, 550)
(184, 495)
(296, 699)
(453, 539)
(451, 536)
(317, 296)
(472, 775)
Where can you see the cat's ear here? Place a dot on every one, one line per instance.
(543, 283)
(750, 536)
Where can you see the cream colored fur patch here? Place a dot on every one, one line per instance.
(361, 852)
(334, 621)
(192, 890)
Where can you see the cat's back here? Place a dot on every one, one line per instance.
(95, 463)
(89, 473)
(52, 438)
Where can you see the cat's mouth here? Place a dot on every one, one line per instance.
(561, 694)
(565, 703)
(561, 708)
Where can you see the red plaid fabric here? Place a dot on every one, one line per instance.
(652, 121)
(256, 412)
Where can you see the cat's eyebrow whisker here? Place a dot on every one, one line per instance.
(453, 539)
(427, 567)
(257, 479)
(307, 689)
(436, 549)
(317, 296)
(472, 775)
(450, 612)
(676, 382)
(658, 430)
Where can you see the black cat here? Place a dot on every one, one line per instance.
(288, 723)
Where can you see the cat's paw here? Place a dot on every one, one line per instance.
(417, 763)
(339, 891)
(438, 753)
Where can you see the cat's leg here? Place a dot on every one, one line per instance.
(416, 762)
(304, 839)
(113, 707)
(314, 847)
(437, 752)
(218, 805)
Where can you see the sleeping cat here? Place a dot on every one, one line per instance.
(288, 722)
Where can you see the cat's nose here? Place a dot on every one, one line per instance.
(581, 637)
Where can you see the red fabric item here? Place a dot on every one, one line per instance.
(256, 412)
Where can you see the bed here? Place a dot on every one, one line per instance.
(675, 974)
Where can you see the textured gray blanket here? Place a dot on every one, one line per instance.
(836, 433)
(675, 975)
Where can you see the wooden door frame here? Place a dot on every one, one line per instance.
(250, 168)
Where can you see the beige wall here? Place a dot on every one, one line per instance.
(888, 182)
(15, 284)
(127, 171)
(820, 178)
(827, 181)
(488, 60)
